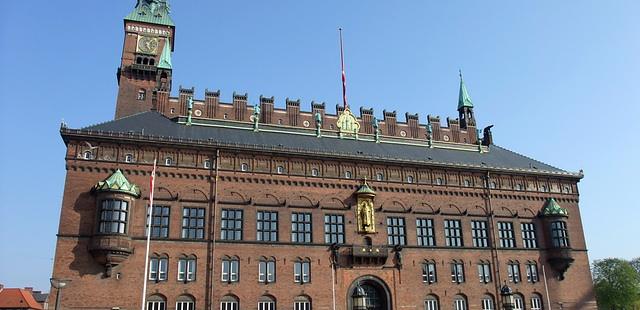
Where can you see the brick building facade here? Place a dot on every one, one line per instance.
(262, 208)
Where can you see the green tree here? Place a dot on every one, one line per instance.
(617, 283)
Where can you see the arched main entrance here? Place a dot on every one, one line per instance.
(376, 293)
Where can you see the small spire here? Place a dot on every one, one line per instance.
(165, 58)
(464, 100)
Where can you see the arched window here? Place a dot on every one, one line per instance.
(487, 302)
(267, 303)
(431, 303)
(347, 175)
(429, 274)
(467, 183)
(543, 188)
(513, 271)
(229, 302)
(152, 61)
(459, 302)
(142, 94)
(439, 181)
(156, 302)
(315, 172)
(518, 302)
(302, 303)
(409, 179)
(279, 169)
(187, 268)
(206, 164)
(493, 185)
(87, 155)
(145, 61)
(302, 270)
(185, 302)
(519, 187)
(114, 216)
(379, 176)
(230, 269)
(244, 167)
(536, 302)
(128, 158)
(168, 161)
(158, 265)
(567, 189)
(267, 270)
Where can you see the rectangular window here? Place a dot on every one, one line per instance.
(301, 305)
(505, 232)
(396, 231)
(266, 305)
(457, 272)
(529, 239)
(301, 227)
(484, 272)
(187, 269)
(559, 235)
(479, 234)
(334, 229)
(231, 228)
(113, 216)
(426, 236)
(230, 267)
(267, 226)
(513, 272)
(193, 223)
(429, 272)
(185, 305)
(155, 305)
(532, 272)
(267, 271)
(158, 269)
(229, 305)
(159, 221)
(302, 272)
(453, 233)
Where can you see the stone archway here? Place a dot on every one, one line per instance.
(378, 294)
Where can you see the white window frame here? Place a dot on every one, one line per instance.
(459, 303)
(229, 272)
(431, 304)
(536, 303)
(156, 305)
(229, 305)
(158, 268)
(457, 272)
(168, 161)
(518, 303)
(487, 303)
(187, 269)
(301, 305)
(267, 271)
(302, 272)
(184, 305)
(128, 158)
(429, 274)
(267, 305)
(206, 164)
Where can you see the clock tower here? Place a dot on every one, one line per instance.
(144, 75)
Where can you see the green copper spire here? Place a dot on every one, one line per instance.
(464, 100)
(365, 189)
(152, 11)
(552, 208)
(117, 182)
(165, 58)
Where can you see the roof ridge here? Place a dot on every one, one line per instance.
(530, 158)
(122, 118)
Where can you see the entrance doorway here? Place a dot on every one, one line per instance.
(376, 294)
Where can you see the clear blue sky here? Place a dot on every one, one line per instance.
(558, 79)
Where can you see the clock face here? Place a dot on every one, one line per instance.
(147, 45)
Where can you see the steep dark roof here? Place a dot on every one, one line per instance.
(154, 124)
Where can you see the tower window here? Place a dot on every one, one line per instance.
(139, 60)
(145, 61)
(142, 94)
(168, 161)
(87, 155)
(152, 61)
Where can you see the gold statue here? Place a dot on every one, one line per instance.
(365, 213)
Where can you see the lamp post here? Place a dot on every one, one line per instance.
(58, 284)
(507, 297)
(359, 298)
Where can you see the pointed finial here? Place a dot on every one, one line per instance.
(460, 73)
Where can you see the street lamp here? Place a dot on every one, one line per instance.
(507, 297)
(359, 298)
(58, 284)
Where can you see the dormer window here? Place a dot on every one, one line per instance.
(467, 183)
(314, 172)
(206, 164)
(379, 176)
(279, 170)
(410, 179)
(128, 158)
(244, 167)
(347, 175)
(87, 155)
(439, 181)
(168, 161)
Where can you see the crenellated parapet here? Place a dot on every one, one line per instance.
(241, 108)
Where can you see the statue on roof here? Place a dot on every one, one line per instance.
(154, 5)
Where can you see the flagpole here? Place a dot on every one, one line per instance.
(344, 76)
(148, 230)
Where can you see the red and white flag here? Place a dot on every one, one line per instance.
(344, 76)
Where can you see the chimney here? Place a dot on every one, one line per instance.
(390, 121)
(412, 121)
(239, 106)
(266, 105)
(211, 101)
(293, 111)
(435, 126)
(454, 125)
(185, 93)
(366, 115)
